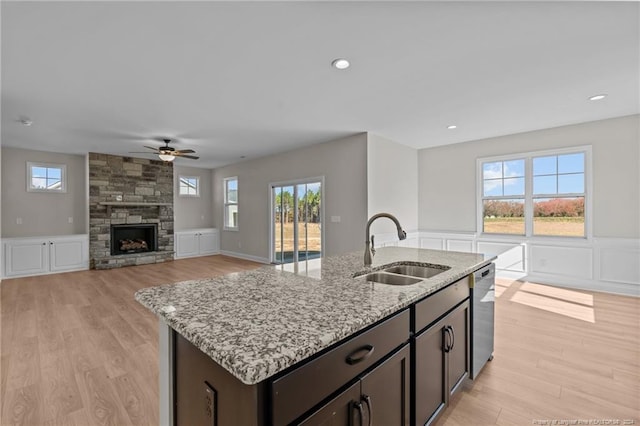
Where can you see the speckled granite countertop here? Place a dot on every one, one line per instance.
(257, 323)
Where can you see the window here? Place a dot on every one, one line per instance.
(231, 203)
(189, 186)
(535, 194)
(43, 177)
(503, 197)
(558, 195)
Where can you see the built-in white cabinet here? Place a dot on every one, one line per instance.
(197, 242)
(44, 255)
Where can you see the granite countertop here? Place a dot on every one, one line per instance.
(257, 323)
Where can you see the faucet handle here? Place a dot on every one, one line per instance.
(373, 249)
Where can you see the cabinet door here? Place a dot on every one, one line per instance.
(66, 254)
(458, 356)
(430, 369)
(340, 411)
(186, 244)
(209, 243)
(26, 258)
(385, 390)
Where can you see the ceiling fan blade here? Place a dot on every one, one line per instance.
(140, 152)
(151, 147)
(185, 151)
(192, 157)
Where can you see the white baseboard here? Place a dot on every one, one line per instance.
(245, 256)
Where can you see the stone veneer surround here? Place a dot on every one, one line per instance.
(136, 180)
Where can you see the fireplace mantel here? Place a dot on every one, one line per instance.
(132, 203)
(110, 204)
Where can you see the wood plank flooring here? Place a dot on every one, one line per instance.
(77, 349)
(560, 355)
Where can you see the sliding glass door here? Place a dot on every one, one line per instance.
(297, 221)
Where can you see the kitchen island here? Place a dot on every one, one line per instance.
(256, 330)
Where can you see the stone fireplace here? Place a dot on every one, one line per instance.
(130, 211)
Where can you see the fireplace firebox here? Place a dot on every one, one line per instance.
(138, 238)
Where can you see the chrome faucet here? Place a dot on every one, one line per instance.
(369, 249)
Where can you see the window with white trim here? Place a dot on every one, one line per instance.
(189, 186)
(46, 177)
(231, 203)
(535, 194)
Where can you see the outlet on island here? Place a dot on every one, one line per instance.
(209, 404)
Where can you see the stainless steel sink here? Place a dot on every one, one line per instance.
(382, 278)
(417, 271)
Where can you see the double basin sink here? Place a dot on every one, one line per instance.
(405, 274)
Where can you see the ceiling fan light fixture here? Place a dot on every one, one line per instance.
(167, 157)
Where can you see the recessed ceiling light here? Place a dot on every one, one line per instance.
(597, 97)
(451, 127)
(340, 63)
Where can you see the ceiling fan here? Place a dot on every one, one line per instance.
(168, 153)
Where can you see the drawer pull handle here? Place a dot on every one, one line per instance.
(351, 360)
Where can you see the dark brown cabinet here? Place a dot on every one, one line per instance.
(337, 412)
(292, 394)
(441, 363)
(386, 389)
(398, 371)
(381, 397)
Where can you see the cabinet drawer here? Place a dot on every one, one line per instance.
(293, 393)
(437, 304)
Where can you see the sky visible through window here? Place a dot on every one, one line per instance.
(189, 185)
(46, 177)
(556, 174)
(232, 191)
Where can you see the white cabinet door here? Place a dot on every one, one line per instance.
(186, 244)
(66, 254)
(28, 257)
(209, 243)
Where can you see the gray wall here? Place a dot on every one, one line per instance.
(447, 175)
(193, 212)
(342, 162)
(42, 214)
(392, 181)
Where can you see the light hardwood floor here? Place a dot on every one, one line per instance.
(560, 355)
(78, 350)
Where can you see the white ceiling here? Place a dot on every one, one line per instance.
(232, 79)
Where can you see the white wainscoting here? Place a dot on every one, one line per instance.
(600, 264)
(511, 255)
(566, 261)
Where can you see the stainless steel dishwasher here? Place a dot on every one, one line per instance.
(482, 317)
